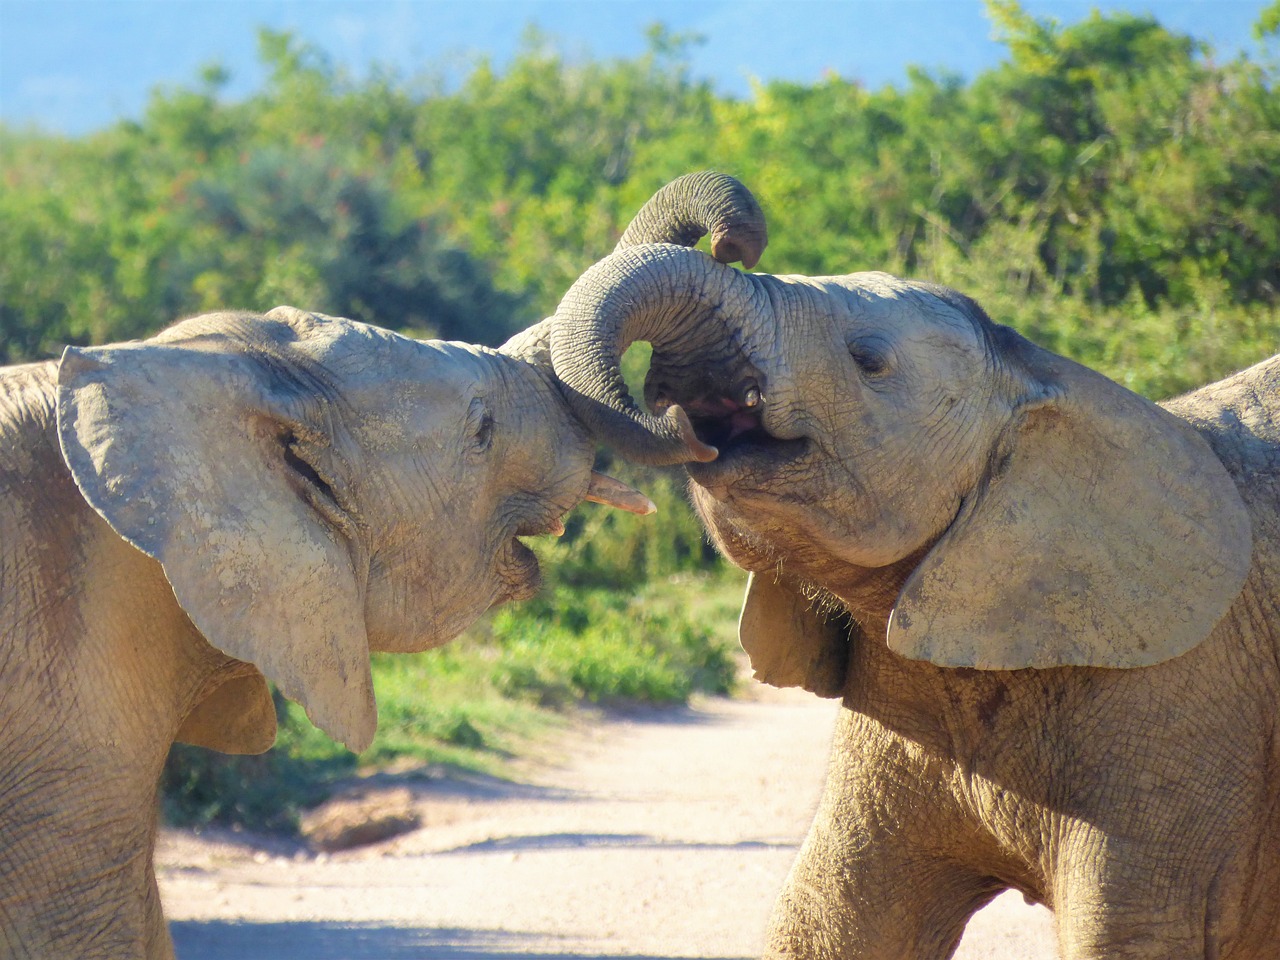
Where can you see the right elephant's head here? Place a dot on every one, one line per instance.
(316, 488)
(984, 502)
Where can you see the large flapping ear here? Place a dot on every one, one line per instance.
(185, 450)
(1108, 534)
(791, 643)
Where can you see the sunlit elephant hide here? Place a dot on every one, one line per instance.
(1049, 605)
(243, 499)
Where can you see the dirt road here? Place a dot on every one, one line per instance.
(661, 835)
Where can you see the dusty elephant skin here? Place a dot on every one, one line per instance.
(1049, 605)
(239, 498)
(247, 498)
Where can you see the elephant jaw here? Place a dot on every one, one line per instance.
(520, 574)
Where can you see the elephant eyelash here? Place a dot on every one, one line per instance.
(481, 423)
(870, 362)
(484, 432)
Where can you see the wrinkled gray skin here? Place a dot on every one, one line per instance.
(1049, 606)
(240, 499)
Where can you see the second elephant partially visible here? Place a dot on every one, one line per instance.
(1049, 605)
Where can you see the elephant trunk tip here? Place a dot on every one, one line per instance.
(699, 451)
(733, 246)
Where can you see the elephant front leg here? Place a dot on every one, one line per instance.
(1138, 908)
(76, 876)
(857, 891)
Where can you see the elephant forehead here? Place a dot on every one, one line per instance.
(916, 311)
(901, 310)
(360, 351)
(393, 374)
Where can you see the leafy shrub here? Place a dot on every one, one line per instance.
(603, 646)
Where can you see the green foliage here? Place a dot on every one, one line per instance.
(602, 646)
(1268, 21)
(303, 230)
(1128, 169)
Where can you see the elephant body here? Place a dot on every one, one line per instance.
(1049, 605)
(149, 486)
(1142, 806)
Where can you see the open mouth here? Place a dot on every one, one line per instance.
(521, 572)
(521, 575)
(519, 564)
(739, 433)
(731, 429)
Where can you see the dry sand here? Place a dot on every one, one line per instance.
(661, 834)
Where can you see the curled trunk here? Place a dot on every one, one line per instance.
(667, 295)
(689, 207)
(682, 213)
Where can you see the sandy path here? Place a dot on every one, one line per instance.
(664, 835)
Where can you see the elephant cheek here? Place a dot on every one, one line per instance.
(405, 616)
(728, 533)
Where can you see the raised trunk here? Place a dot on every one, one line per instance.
(688, 207)
(682, 212)
(667, 295)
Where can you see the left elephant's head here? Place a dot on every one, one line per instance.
(983, 502)
(316, 489)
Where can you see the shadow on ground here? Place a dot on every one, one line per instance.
(225, 940)
(577, 841)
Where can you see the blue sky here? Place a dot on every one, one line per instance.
(74, 65)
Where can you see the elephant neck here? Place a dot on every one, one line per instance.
(869, 593)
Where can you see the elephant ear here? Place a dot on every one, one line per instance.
(1108, 534)
(189, 450)
(237, 716)
(790, 642)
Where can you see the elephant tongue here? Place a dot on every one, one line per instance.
(615, 493)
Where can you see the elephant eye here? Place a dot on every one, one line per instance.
(869, 360)
(480, 423)
(484, 433)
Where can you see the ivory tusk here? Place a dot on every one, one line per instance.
(615, 493)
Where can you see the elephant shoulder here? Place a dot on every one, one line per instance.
(45, 524)
(39, 500)
(28, 418)
(1239, 417)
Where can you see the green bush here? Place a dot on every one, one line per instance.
(603, 646)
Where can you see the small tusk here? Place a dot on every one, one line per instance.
(752, 397)
(615, 493)
(557, 528)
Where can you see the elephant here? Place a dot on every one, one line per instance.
(1048, 605)
(248, 498)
